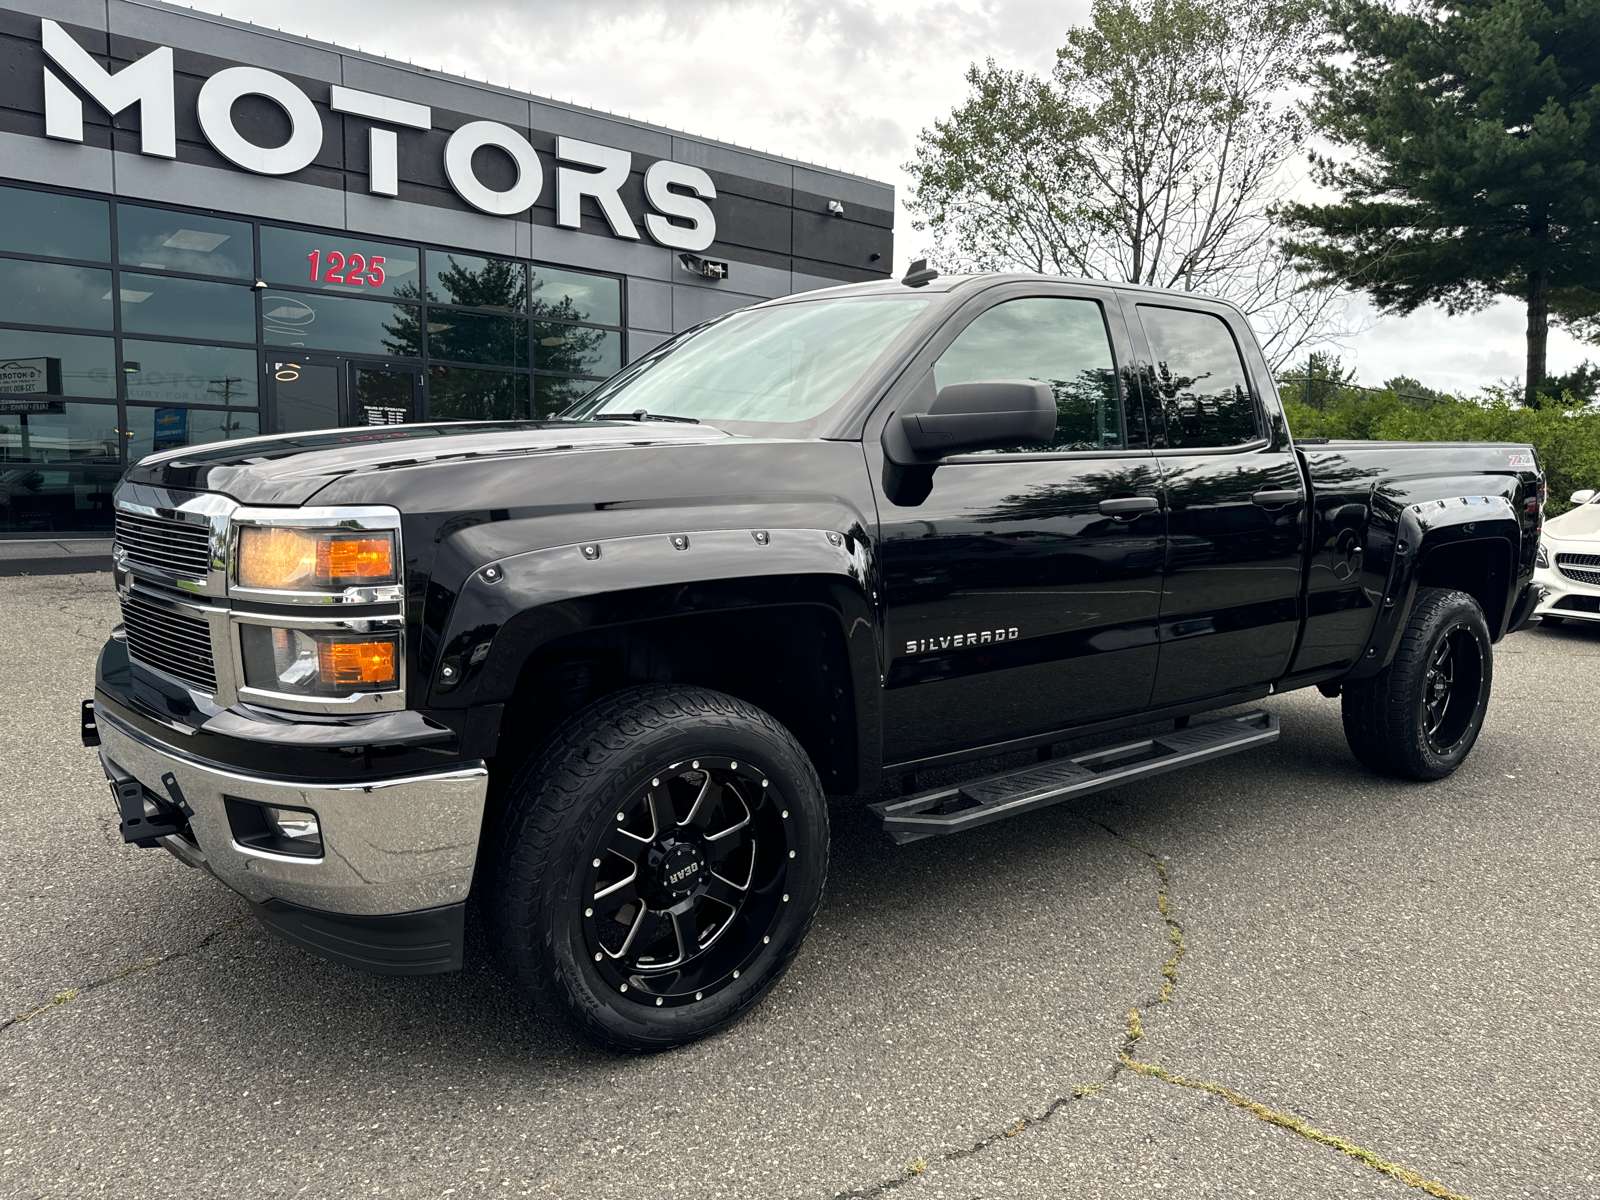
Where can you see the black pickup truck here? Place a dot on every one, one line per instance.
(598, 673)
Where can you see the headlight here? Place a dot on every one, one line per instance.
(1543, 557)
(279, 558)
(295, 662)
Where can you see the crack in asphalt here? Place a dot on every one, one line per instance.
(146, 964)
(1133, 1033)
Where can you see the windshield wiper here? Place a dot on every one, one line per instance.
(641, 415)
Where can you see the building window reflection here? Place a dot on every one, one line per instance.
(152, 312)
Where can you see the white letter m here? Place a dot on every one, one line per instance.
(147, 83)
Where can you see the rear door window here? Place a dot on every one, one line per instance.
(1197, 379)
(1057, 340)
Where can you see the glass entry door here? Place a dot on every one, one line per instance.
(325, 391)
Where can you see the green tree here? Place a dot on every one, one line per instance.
(1153, 153)
(1582, 383)
(1316, 382)
(1474, 172)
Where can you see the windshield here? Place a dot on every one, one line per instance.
(787, 364)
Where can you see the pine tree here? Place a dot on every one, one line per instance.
(1475, 173)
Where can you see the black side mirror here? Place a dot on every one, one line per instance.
(983, 415)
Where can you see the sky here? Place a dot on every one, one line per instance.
(844, 83)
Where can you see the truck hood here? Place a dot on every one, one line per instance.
(291, 468)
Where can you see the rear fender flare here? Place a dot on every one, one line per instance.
(1423, 527)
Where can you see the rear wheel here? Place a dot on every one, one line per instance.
(1419, 717)
(659, 864)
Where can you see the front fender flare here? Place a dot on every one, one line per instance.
(506, 609)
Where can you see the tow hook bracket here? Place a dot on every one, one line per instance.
(140, 827)
(89, 730)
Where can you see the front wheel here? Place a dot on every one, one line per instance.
(1419, 717)
(659, 863)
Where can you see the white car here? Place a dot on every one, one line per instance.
(1568, 568)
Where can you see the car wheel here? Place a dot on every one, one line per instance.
(1419, 717)
(658, 864)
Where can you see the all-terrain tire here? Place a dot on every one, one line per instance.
(1419, 717)
(579, 796)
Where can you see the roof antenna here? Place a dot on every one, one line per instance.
(919, 274)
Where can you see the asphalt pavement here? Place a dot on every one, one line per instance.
(1341, 985)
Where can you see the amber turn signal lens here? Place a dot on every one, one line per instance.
(284, 559)
(344, 663)
(355, 558)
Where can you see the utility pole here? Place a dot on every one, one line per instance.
(224, 388)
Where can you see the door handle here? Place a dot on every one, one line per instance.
(1275, 498)
(1129, 506)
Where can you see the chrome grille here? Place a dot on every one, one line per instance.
(1572, 566)
(169, 641)
(182, 547)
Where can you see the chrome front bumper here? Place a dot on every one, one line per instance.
(390, 846)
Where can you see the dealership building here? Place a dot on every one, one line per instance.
(210, 230)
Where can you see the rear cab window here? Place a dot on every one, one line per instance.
(1197, 379)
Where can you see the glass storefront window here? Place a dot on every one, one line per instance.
(570, 296)
(153, 429)
(574, 350)
(306, 395)
(56, 364)
(339, 262)
(468, 337)
(495, 283)
(341, 323)
(59, 226)
(36, 293)
(54, 496)
(158, 240)
(463, 394)
(187, 308)
(172, 373)
(40, 430)
(553, 396)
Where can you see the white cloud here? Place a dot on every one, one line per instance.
(1455, 354)
(846, 83)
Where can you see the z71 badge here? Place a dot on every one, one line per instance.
(1522, 460)
(956, 641)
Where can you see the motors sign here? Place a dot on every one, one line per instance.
(672, 189)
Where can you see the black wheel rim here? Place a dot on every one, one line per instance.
(686, 886)
(1451, 689)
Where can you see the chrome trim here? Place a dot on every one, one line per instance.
(377, 518)
(213, 596)
(239, 848)
(388, 700)
(203, 509)
(389, 594)
(389, 845)
(216, 618)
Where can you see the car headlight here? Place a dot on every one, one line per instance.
(297, 662)
(1543, 557)
(284, 558)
